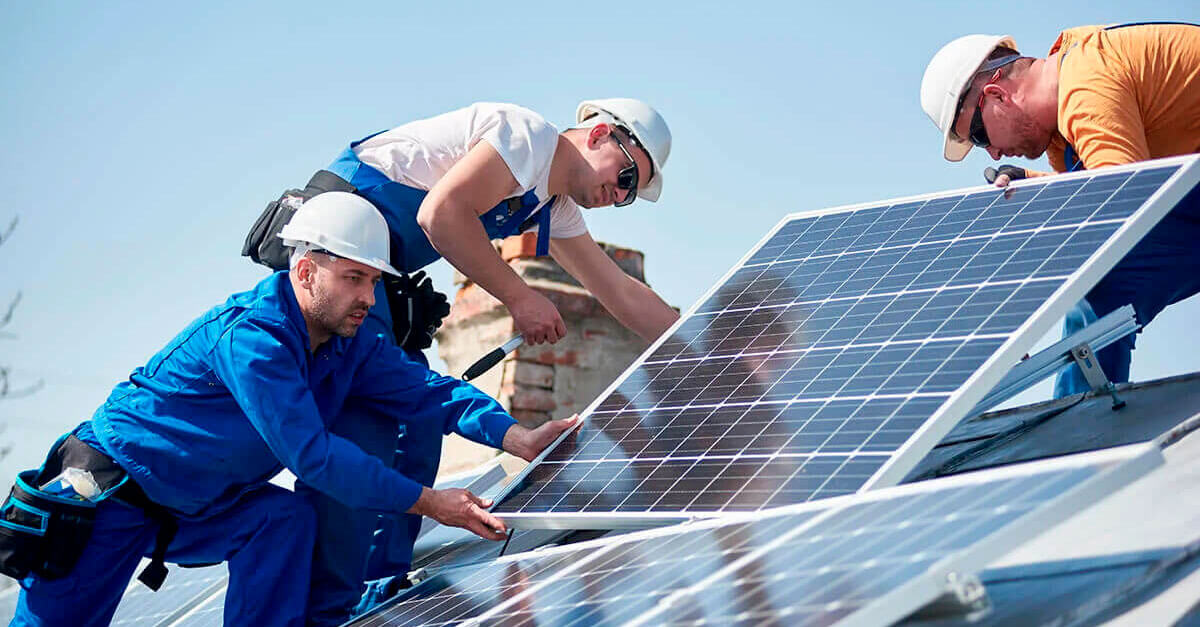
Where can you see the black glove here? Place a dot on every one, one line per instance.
(417, 310)
(1013, 172)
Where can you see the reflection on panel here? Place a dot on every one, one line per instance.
(816, 360)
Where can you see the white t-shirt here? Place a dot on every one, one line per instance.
(419, 153)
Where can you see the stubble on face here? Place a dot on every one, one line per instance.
(1031, 139)
(331, 315)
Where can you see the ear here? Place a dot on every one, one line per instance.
(597, 134)
(305, 271)
(996, 91)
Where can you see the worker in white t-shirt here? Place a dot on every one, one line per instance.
(447, 186)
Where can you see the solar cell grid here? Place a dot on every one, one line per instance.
(870, 558)
(460, 594)
(829, 348)
(630, 578)
(856, 555)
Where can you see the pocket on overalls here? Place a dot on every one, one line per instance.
(40, 532)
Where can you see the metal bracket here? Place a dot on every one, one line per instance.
(1027, 373)
(965, 597)
(1086, 360)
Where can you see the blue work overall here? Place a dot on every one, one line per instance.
(265, 536)
(354, 546)
(1161, 270)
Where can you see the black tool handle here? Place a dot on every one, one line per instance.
(484, 363)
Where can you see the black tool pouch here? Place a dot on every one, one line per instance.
(44, 533)
(261, 245)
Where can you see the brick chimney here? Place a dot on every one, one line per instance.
(536, 383)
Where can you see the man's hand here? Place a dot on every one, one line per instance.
(537, 318)
(459, 508)
(529, 443)
(1005, 174)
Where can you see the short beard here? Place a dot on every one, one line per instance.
(324, 314)
(1034, 139)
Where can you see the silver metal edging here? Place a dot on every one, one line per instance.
(607, 520)
(1099, 334)
(1040, 322)
(978, 189)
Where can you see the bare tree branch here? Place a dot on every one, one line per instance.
(9, 392)
(11, 308)
(11, 227)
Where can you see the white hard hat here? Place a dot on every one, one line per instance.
(343, 224)
(948, 76)
(648, 129)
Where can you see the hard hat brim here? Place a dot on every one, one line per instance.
(377, 264)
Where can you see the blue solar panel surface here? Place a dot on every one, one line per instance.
(818, 357)
(853, 557)
(816, 564)
(457, 595)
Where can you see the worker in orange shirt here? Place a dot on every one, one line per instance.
(1105, 95)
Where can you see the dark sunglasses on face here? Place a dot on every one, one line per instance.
(977, 134)
(627, 178)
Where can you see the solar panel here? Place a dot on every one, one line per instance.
(840, 350)
(445, 547)
(887, 554)
(209, 613)
(455, 595)
(875, 556)
(182, 590)
(8, 603)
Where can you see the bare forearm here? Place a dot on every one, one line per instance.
(642, 311)
(457, 234)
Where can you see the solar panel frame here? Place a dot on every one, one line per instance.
(960, 401)
(1116, 468)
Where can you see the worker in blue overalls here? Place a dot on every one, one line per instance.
(175, 464)
(1105, 95)
(447, 185)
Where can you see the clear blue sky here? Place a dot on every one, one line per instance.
(140, 140)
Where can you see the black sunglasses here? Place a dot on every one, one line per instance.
(978, 133)
(627, 178)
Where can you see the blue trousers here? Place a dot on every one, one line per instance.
(354, 545)
(1161, 270)
(266, 538)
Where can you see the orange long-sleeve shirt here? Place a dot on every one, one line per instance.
(1127, 94)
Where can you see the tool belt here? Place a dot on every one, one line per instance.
(46, 534)
(261, 245)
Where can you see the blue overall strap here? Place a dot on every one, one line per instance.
(543, 243)
(520, 221)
